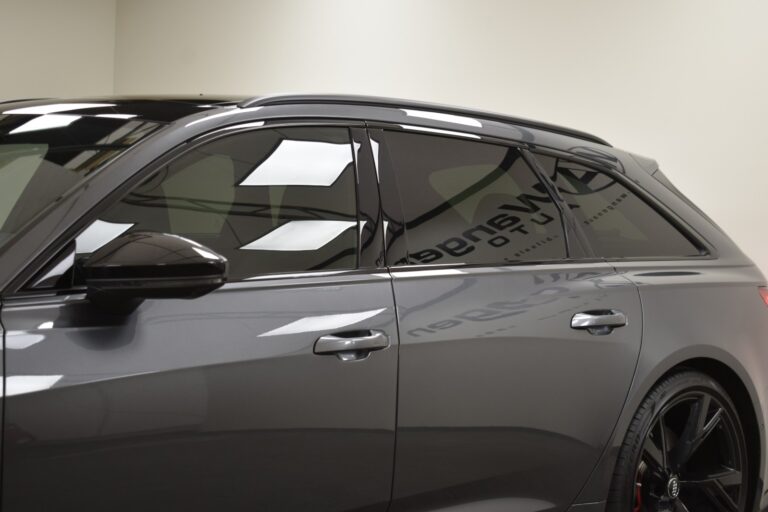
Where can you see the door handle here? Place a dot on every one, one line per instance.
(599, 322)
(351, 347)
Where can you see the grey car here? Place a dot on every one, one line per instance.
(342, 303)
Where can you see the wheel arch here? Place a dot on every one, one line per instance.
(719, 364)
(745, 407)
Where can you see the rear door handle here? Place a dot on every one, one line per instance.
(599, 322)
(351, 347)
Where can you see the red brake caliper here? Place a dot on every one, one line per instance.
(638, 497)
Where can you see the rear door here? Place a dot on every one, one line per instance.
(221, 402)
(516, 350)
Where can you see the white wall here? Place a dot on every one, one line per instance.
(683, 81)
(56, 48)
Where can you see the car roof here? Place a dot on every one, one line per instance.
(172, 108)
(435, 108)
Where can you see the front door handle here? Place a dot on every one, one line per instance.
(599, 322)
(351, 347)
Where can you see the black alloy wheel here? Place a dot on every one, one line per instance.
(686, 451)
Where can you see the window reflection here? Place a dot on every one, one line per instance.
(107, 147)
(99, 234)
(272, 200)
(470, 202)
(618, 223)
(50, 278)
(18, 163)
(46, 151)
(302, 162)
(301, 235)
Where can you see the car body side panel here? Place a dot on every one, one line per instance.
(708, 310)
(709, 287)
(502, 406)
(216, 403)
(695, 311)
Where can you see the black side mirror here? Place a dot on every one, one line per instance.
(144, 265)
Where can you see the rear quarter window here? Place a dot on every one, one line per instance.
(617, 222)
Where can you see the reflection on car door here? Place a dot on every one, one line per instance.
(221, 402)
(503, 405)
(499, 397)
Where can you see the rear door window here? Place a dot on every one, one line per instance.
(470, 202)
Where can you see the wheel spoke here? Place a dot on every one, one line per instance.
(663, 442)
(719, 497)
(655, 455)
(696, 430)
(727, 477)
(679, 506)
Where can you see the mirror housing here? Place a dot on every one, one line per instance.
(146, 265)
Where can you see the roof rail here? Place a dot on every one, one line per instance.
(375, 101)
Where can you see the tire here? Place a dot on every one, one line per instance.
(684, 451)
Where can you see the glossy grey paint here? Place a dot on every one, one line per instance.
(702, 310)
(685, 312)
(498, 396)
(208, 404)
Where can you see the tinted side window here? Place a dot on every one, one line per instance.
(471, 202)
(273, 200)
(618, 223)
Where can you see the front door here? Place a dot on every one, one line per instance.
(221, 402)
